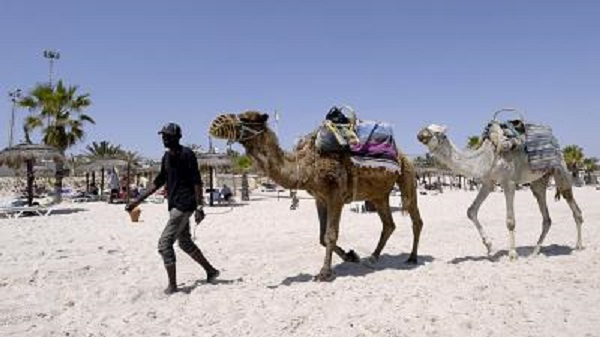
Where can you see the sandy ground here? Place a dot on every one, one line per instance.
(94, 273)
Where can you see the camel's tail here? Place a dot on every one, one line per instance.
(407, 181)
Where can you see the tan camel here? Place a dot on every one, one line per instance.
(331, 178)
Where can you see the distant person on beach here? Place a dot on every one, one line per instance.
(226, 193)
(113, 185)
(179, 171)
(94, 189)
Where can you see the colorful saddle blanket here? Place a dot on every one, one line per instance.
(375, 140)
(370, 144)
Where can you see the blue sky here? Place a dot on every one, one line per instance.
(410, 63)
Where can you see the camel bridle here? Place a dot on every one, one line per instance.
(234, 129)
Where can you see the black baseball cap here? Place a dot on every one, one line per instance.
(171, 129)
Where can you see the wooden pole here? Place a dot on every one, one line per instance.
(127, 188)
(211, 201)
(101, 181)
(30, 178)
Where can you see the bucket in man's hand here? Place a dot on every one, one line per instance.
(135, 214)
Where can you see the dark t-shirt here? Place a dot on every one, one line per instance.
(179, 170)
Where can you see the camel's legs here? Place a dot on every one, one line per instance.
(484, 191)
(385, 214)
(538, 188)
(349, 256)
(509, 194)
(563, 183)
(334, 210)
(417, 226)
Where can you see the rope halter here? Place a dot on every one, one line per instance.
(232, 128)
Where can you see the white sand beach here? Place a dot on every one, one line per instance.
(94, 273)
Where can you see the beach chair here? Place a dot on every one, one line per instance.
(20, 211)
(358, 207)
(156, 199)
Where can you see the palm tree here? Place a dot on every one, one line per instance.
(573, 155)
(473, 142)
(242, 164)
(58, 112)
(103, 149)
(590, 165)
(133, 159)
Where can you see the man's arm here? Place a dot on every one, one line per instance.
(160, 180)
(133, 204)
(199, 194)
(198, 188)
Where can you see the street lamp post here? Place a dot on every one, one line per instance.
(51, 55)
(14, 97)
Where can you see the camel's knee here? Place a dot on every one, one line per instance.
(547, 223)
(510, 224)
(417, 226)
(472, 213)
(567, 194)
(322, 241)
(389, 229)
(330, 238)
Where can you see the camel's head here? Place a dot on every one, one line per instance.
(239, 128)
(432, 136)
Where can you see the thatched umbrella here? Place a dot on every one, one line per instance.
(29, 154)
(213, 160)
(101, 163)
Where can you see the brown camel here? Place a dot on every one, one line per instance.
(331, 178)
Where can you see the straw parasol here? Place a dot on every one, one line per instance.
(212, 160)
(29, 154)
(101, 164)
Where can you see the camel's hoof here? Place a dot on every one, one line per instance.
(412, 260)
(351, 256)
(369, 262)
(512, 255)
(579, 247)
(324, 276)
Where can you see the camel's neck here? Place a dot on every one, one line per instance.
(282, 167)
(474, 164)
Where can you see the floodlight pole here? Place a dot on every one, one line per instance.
(14, 97)
(51, 55)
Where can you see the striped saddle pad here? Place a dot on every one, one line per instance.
(542, 147)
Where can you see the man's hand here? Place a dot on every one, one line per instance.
(199, 215)
(131, 206)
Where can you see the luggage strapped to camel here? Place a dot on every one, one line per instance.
(369, 143)
(538, 141)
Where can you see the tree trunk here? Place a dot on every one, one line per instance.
(58, 182)
(128, 183)
(211, 201)
(245, 187)
(101, 181)
(30, 178)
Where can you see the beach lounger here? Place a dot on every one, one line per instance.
(358, 207)
(20, 211)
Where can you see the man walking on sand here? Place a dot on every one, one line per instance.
(179, 170)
